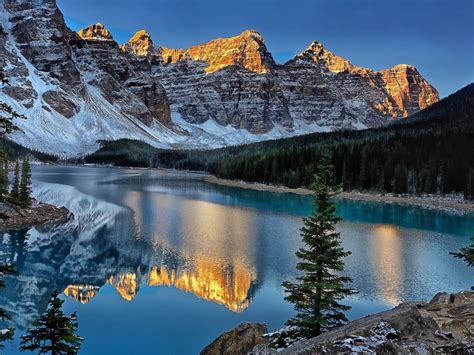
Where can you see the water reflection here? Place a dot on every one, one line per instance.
(222, 245)
(128, 247)
(81, 293)
(386, 248)
(230, 286)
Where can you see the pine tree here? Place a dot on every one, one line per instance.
(467, 253)
(25, 185)
(363, 171)
(344, 182)
(3, 176)
(381, 180)
(53, 332)
(5, 334)
(400, 184)
(15, 190)
(317, 292)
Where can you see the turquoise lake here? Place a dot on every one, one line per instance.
(161, 262)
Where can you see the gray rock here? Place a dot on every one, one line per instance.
(441, 326)
(238, 341)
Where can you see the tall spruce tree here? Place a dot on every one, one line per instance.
(3, 176)
(319, 289)
(53, 332)
(25, 184)
(7, 333)
(15, 190)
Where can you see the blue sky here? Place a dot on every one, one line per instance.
(437, 36)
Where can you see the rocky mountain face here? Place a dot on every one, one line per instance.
(77, 88)
(72, 64)
(236, 82)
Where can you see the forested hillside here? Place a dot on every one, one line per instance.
(15, 151)
(430, 152)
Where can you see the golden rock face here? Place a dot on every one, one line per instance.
(140, 43)
(334, 63)
(96, 32)
(407, 91)
(247, 49)
(401, 81)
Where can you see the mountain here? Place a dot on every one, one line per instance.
(79, 88)
(432, 151)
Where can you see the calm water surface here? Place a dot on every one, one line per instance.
(160, 262)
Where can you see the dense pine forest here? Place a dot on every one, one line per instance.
(429, 152)
(15, 151)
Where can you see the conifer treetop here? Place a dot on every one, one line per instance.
(53, 332)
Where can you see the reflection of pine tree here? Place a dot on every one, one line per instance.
(53, 332)
(5, 334)
(317, 292)
(16, 248)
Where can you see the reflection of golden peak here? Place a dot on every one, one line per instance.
(388, 261)
(125, 284)
(210, 282)
(386, 230)
(81, 293)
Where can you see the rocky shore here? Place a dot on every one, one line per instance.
(11, 217)
(445, 325)
(451, 203)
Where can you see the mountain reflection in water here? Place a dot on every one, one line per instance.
(107, 244)
(226, 285)
(155, 237)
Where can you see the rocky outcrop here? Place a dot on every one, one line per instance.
(247, 50)
(238, 341)
(141, 45)
(13, 217)
(96, 32)
(445, 325)
(121, 81)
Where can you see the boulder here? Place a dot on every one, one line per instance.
(238, 341)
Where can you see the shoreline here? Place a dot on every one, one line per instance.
(38, 214)
(439, 203)
(432, 202)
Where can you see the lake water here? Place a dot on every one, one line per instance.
(158, 262)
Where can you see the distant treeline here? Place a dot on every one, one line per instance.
(15, 151)
(431, 152)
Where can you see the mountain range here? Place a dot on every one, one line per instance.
(78, 89)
